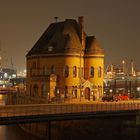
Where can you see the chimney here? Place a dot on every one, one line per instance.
(81, 22)
(82, 34)
(56, 19)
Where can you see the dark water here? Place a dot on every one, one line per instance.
(12, 132)
(109, 128)
(97, 129)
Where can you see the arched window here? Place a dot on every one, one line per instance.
(92, 72)
(35, 90)
(66, 71)
(74, 71)
(99, 72)
(52, 69)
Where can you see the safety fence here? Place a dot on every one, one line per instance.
(46, 109)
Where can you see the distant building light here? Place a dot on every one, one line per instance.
(82, 93)
(5, 75)
(110, 90)
(138, 88)
(24, 70)
(123, 61)
(3, 86)
(14, 75)
(57, 91)
(123, 78)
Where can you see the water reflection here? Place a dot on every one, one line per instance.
(13, 132)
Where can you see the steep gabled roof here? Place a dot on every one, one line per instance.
(62, 37)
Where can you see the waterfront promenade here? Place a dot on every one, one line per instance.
(67, 108)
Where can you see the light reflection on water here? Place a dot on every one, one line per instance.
(12, 132)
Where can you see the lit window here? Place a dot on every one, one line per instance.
(66, 71)
(74, 71)
(13, 75)
(92, 72)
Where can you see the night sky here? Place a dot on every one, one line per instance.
(115, 24)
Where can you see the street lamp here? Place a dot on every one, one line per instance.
(110, 91)
(123, 66)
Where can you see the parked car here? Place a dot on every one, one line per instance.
(109, 98)
(123, 97)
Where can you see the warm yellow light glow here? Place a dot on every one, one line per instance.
(1, 96)
(123, 62)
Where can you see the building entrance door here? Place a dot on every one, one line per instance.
(87, 93)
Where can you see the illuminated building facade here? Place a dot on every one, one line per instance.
(66, 63)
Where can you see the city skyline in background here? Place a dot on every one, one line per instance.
(115, 24)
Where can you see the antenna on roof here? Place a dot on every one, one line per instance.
(56, 18)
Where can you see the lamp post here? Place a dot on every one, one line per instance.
(123, 66)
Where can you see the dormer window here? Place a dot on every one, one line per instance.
(50, 48)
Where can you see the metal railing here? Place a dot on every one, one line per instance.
(47, 109)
